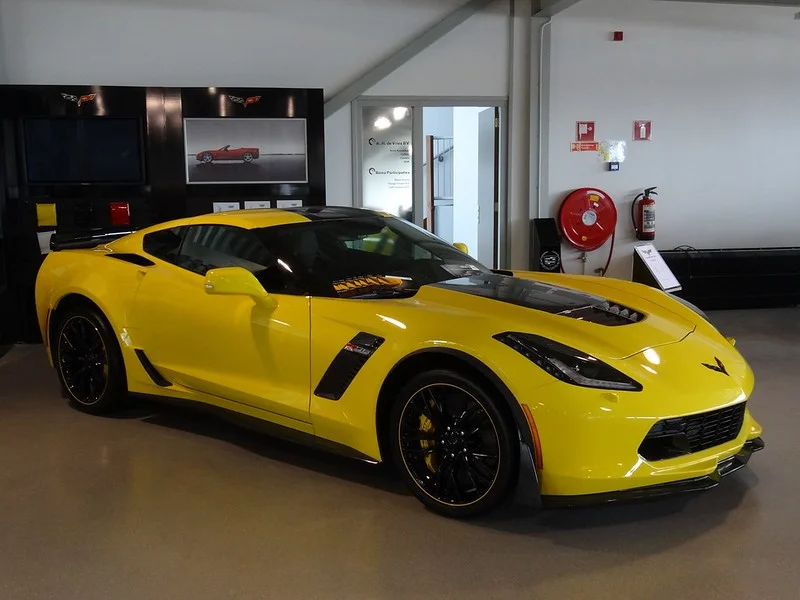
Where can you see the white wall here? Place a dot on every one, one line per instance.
(471, 60)
(339, 159)
(722, 85)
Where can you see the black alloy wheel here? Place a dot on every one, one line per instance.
(454, 447)
(88, 361)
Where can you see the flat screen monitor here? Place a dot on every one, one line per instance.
(83, 150)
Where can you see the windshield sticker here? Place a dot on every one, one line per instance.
(366, 284)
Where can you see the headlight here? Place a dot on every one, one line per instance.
(567, 364)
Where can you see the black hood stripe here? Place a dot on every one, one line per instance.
(546, 297)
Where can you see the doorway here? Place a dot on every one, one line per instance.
(438, 163)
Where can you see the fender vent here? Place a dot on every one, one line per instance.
(157, 377)
(346, 365)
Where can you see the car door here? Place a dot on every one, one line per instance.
(228, 346)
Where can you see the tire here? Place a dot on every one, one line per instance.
(88, 361)
(479, 473)
(248, 157)
(207, 158)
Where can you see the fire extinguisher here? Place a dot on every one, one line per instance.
(643, 215)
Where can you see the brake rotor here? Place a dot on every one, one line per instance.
(588, 218)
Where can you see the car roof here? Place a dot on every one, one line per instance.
(270, 217)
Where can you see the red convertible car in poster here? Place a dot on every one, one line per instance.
(227, 153)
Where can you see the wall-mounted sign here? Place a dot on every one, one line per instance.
(584, 131)
(642, 131)
(585, 146)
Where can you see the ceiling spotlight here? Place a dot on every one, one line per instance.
(382, 123)
(400, 113)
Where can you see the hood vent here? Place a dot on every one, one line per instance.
(607, 313)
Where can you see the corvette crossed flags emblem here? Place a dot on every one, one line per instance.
(79, 100)
(244, 101)
(719, 367)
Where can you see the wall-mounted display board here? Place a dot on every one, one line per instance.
(110, 157)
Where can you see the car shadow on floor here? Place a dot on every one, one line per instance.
(647, 527)
(636, 528)
(197, 420)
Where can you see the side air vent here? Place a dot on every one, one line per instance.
(346, 365)
(133, 259)
(152, 372)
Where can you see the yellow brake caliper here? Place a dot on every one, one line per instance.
(426, 426)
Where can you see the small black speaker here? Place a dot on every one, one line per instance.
(545, 246)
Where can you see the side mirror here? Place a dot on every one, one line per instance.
(234, 281)
(461, 246)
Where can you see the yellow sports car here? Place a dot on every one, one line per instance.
(372, 337)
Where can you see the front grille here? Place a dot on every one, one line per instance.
(686, 435)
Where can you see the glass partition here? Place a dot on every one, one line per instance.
(386, 170)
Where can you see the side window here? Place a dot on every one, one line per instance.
(209, 247)
(164, 244)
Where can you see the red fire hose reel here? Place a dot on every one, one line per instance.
(588, 218)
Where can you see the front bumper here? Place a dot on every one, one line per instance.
(697, 484)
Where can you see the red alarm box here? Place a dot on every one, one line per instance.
(120, 213)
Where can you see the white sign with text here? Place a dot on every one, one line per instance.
(658, 267)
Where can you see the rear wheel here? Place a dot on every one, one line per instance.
(453, 445)
(248, 157)
(88, 360)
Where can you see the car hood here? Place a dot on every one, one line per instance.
(607, 322)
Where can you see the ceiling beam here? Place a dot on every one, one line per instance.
(390, 64)
(550, 8)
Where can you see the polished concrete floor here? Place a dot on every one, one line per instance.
(160, 503)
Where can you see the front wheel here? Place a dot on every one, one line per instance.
(453, 445)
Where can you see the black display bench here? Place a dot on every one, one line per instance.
(739, 278)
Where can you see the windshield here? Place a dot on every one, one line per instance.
(364, 257)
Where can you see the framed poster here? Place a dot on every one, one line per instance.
(241, 151)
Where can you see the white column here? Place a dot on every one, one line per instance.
(519, 134)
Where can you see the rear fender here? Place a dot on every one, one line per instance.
(108, 283)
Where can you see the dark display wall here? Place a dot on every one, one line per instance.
(156, 153)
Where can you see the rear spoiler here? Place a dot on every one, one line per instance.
(86, 240)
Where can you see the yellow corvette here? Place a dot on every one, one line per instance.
(371, 336)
